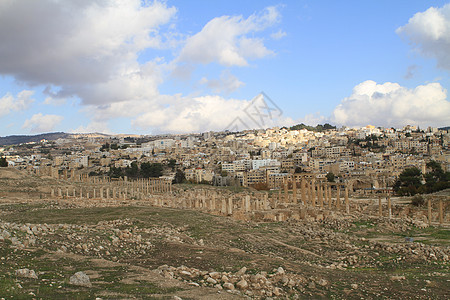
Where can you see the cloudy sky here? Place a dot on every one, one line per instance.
(148, 67)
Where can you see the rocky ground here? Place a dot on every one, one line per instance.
(54, 250)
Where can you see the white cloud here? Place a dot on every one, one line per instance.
(21, 102)
(192, 115)
(54, 101)
(390, 104)
(42, 123)
(278, 35)
(178, 114)
(99, 127)
(227, 83)
(313, 119)
(87, 48)
(90, 50)
(229, 40)
(429, 32)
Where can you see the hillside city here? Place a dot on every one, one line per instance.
(371, 158)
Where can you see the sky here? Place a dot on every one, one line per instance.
(152, 67)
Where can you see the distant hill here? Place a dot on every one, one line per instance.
(318, 128)
(444, 128)
(21, 139)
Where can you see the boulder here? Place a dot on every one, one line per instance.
(80, 279)
(242, 285)
(228, 286)
(27, 273)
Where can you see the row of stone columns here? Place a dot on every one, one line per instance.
(310, 191)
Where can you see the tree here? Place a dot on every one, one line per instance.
(436, 179)
(151, 170)
(408, 182)
(418, 200)
(115, 172)
(3, 162)
(104, 147)
(172, 163)
(179, 176)
(330, 177)
(133, 170)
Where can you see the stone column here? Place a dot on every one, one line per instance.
(303, 191)
(53, 193)
(389, 206)
(247, 204)
(309, 191)
(230, 206)
(380, 207)
(279, 196)
(320, 194)
(347, 204)
(294, 189)
(213, 202)
(266, 202)
(224, 206)
(441, 212)
(286, 190)
(338, 197)
(313, 192)
(329, 196)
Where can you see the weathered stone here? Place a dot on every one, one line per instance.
(322, 282)
(211, 280)
(80, 279)
(242, 285)
(185, 274)
(277, 291)
(27, 273)
(228, 286)
(215, 275)
(241, 271)
(397, 277)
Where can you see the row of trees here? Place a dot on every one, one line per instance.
(146, 170)
(318, 128)
(411, 181)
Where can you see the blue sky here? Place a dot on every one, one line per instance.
(152, 67)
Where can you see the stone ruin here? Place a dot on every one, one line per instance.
(301, 196)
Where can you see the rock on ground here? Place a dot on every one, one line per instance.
(80, 279)
(27, 273)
